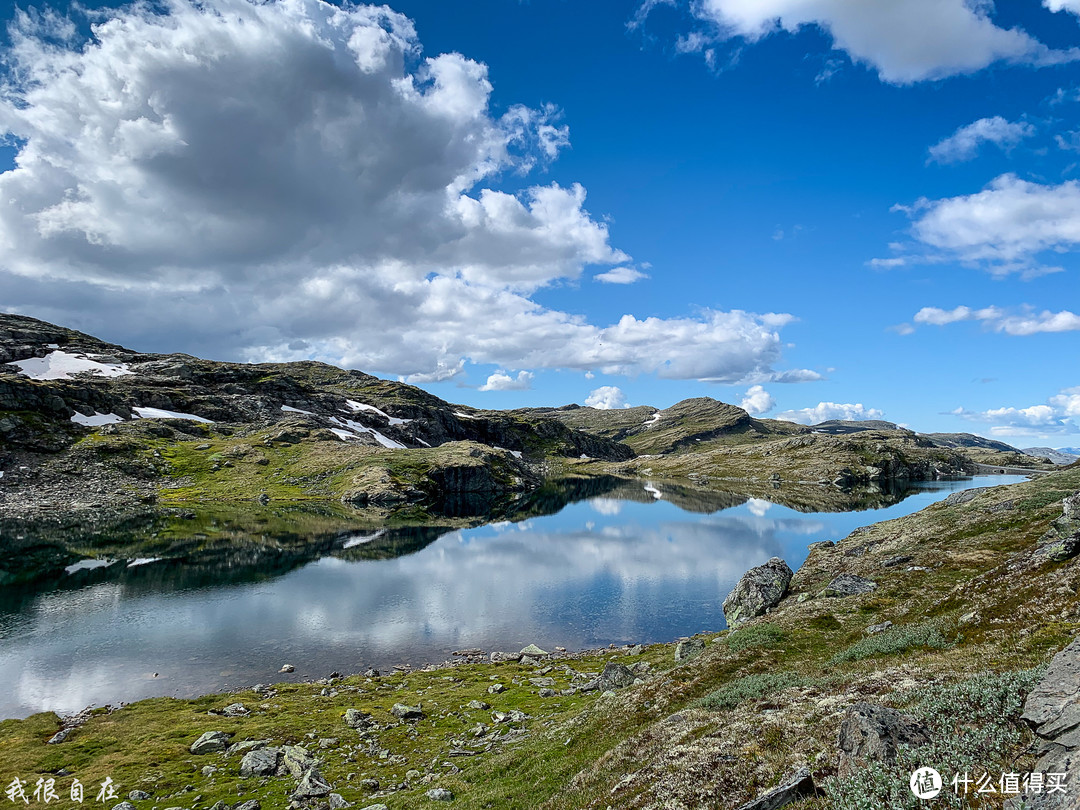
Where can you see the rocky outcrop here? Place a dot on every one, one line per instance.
(1062, 541)
(795, 788)
(1053, 711)
(870, 733)
(848, 585)
(760, 589)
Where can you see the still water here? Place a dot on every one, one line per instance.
(609, 569)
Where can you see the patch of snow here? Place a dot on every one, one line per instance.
(465, 415)
(361, 539)
(57, 365)
(514, 453)
(290, 409)
(97, 419)
(158, 413)
(356, 427)
(653, 491)
(585, 457)
(143, 561)
(355, 406)
(423, 443)
(1, 473)
(52, 345)
(652, 420)
(88, 565)
(344, 435)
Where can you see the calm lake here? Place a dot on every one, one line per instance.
(609, 569)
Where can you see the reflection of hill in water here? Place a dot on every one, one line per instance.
(216, 545)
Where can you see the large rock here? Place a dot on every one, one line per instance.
(870, 733)
(260, 762)
(1053, 711)
(354, 718)
(688, 648)
(210, 742)
(800, 786)
(297, 760)
(312, 785)
(615, 676)
(759, 589)
(849, 585)
(403, 712)
(1062, 541)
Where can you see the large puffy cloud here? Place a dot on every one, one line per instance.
(1060, 414)
(903, 40)
(1004, 227)
(825, 411)
(964, 144)
(606, 398)
(294, 180)
(1027, 322)
(757, 401)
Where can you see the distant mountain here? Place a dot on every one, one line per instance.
(969, 440)
(837, 427)
(1063, 456)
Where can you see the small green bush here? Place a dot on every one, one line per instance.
(974, 726)
(760, 635)
(749, 687)
(894, 641)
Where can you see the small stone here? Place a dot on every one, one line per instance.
(124, 806)
(412, 774)
(369, 784)
(637, 649)
(403, 712)
(478, 704)
(297, 760)
(874, 629)
(375, 807)
(60, 736)
(440, 795)
(542, 681)
(688, 649)
(138, 795)
(534, 652)
(496, 688)
(235, 710)
(287, 668)
(546, 693)
(796, 788)
(337, 801)
(503, 657)
(210, 742)
(328, 742)
(903, 559)
(250, 804)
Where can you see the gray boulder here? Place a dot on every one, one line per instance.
(759, 589)
(296, 760)
(1053, 711)
(403, 712)
(440, 795)
(354, 718)
(533, 651)
(210, 742)
(615, 676)
(849, 585)
(250, 804)
(870, 733)
(337, 801)
(260, 762)
(504, 657)
(689, 648)
(796, 788)
(124, 806)
(1062, 541)
(312, 785)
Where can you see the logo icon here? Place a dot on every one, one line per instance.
(926, 783)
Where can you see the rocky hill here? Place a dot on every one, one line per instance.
(1052, 455)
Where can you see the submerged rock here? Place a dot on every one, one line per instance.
(759, 589)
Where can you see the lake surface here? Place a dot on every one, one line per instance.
(598, 571)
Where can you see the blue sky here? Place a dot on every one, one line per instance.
(822, 209)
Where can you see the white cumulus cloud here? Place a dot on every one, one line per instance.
(1026, 322)
(1059, 414)
(757, 401)
(605, 398)
(903, 40)
(965, 142)
(501, 381)
(620, 275)
(825, 411)
(295, 180)
(1004, 227)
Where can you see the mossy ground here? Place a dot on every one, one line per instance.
(971, 575)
